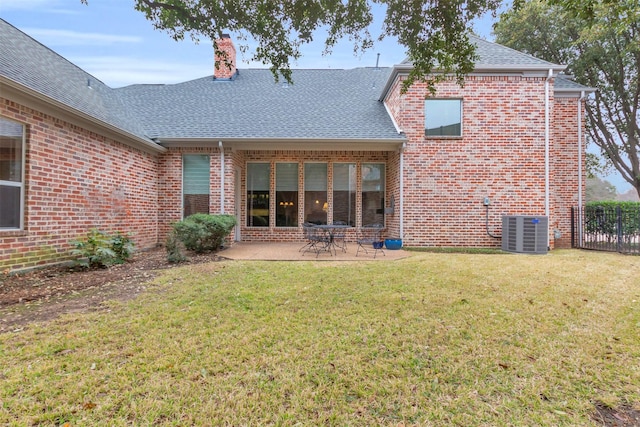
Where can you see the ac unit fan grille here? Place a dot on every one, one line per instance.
(525, 234)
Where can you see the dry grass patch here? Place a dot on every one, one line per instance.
(435, 339)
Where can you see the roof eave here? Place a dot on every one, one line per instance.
(24, 94)
(573, 92)
(525, 70)
(289, 144)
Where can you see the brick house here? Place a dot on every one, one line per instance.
(336, 145)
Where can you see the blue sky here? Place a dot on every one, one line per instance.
(117, 45)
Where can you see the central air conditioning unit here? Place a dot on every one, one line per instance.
(525, 234)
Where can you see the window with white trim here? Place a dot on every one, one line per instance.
(344, 193)
(443, 117)
(12, 165)
(258, 186)
(373, 190)
(195, 184)
(315, 193)
(286, 194)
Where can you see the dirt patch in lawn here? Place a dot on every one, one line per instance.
(623, 416)
(44, 294)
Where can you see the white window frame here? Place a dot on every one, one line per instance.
(354, 190)
(20, 184)
(184, 155)
(383, 190)
(247, 220)
(295, 204)
(426, 117)
(324, 203)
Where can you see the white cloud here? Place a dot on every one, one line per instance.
(77, 38)
(117, 71)
(23, 4)
(46, 6)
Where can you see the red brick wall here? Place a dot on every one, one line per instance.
(169, 191)
(170, 184)
(392, 218)
(501, 156)
(77, 180)
(565, 169)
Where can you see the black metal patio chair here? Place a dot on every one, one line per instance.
(370, 239)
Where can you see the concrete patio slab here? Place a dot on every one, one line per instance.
(278, 251)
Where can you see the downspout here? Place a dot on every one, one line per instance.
(221, 177)
(404, 145)
(580, 166)
(546, 148)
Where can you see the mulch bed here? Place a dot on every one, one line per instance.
(44, 294)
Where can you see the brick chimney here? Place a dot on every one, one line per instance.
(225, 64)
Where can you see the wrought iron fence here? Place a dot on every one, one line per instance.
(612, 228)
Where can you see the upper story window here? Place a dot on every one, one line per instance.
(12, 158)
(443, 117)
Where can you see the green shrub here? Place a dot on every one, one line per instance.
(174, 246)
(100, 249)
(204, 233)
(604, 218)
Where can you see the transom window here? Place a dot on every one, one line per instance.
(443, 117)
(12, 161)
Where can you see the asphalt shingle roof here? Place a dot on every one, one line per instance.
(320, 104)
(565, 83)
(493, 55)
(25, 61)
(324, 104)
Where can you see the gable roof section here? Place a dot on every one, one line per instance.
(29, 67)
(321, 105)
(492, 58)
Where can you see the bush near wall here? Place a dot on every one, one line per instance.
(613, 218)
(100, 249)
(203, 232)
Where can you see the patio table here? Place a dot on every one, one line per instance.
(331, 231)
(322, 238)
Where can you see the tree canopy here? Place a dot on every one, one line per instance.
(599, 40)
(598, 190)
(434, 33)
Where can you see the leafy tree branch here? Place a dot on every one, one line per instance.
(600, 42)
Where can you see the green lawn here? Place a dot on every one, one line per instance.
(435, 339)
